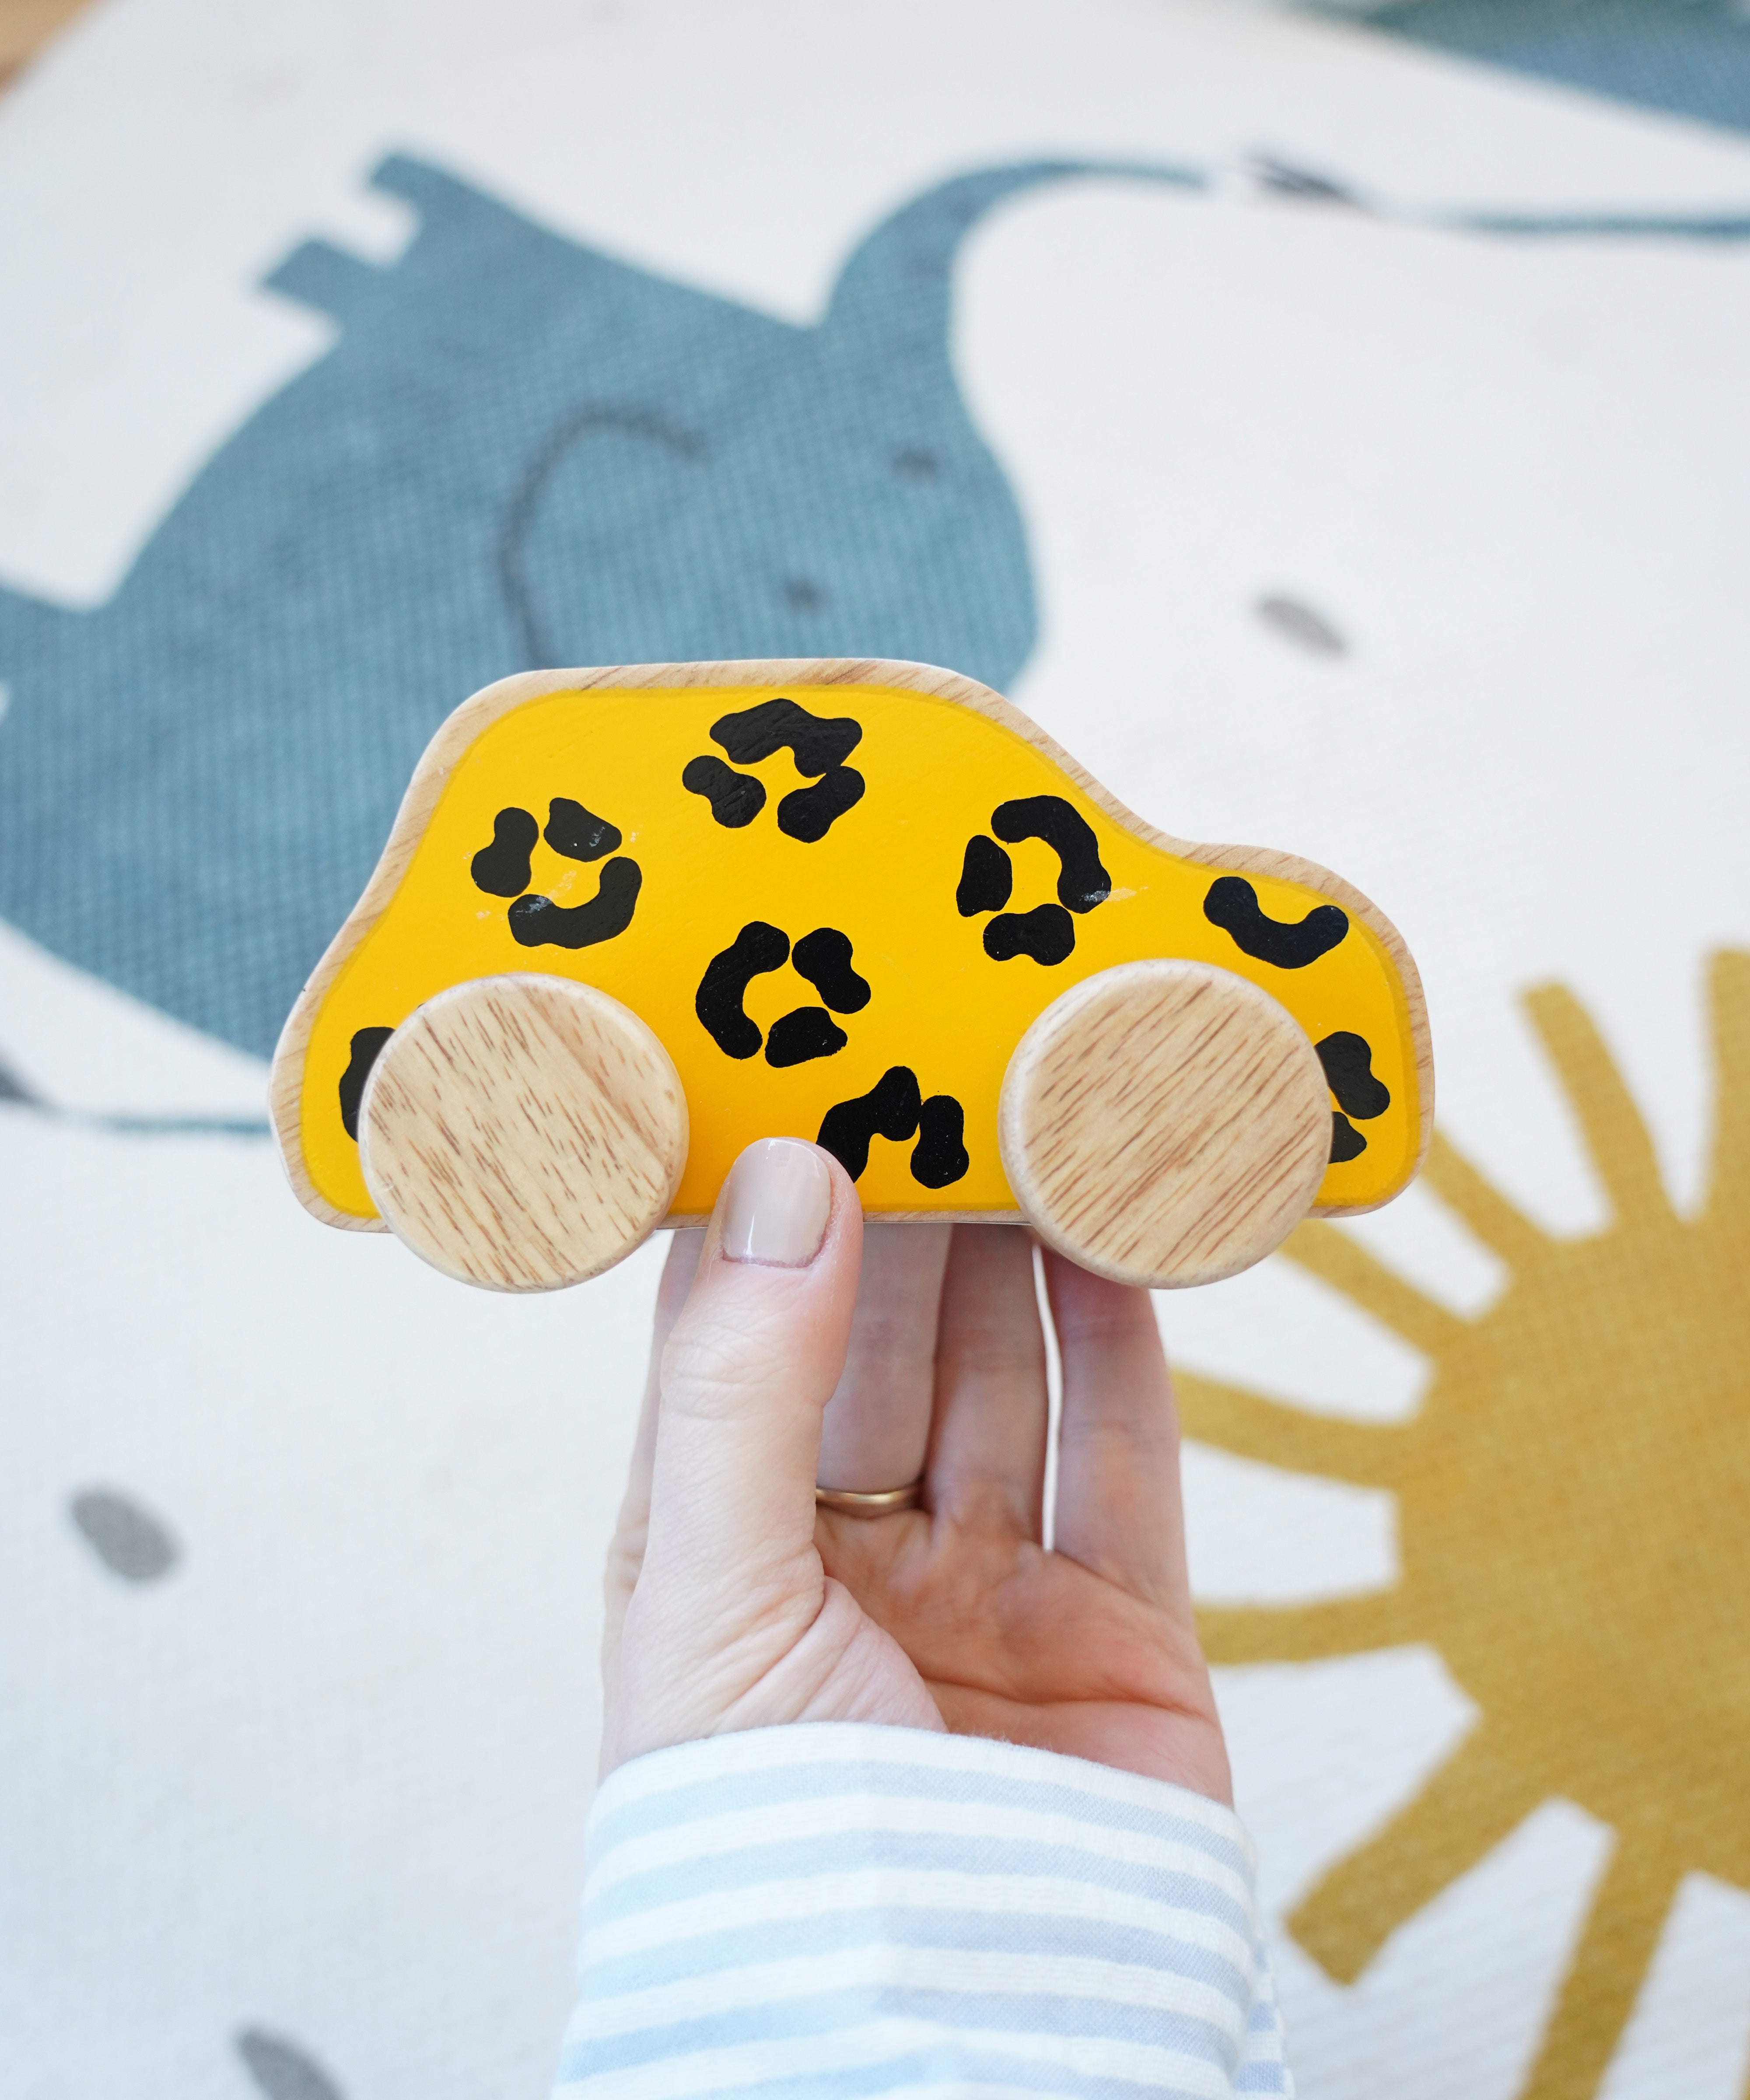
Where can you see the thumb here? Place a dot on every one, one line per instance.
(747, 1375)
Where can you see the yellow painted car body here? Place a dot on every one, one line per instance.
(628, 788)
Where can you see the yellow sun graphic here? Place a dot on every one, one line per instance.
(1574, 1514)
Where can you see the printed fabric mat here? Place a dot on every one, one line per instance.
(1331, 429)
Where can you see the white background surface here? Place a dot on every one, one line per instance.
(329, 1776)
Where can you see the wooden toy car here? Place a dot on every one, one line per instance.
(629, 920)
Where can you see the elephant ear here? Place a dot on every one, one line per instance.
(836, 501)
(637, 539)
(588, 560)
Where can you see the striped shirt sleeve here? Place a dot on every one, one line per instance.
(827, 1910)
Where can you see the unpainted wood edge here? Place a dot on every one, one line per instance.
(285, 1087)
(466, 723)
(1415, 1011)
(1289, 867)
(26, 36)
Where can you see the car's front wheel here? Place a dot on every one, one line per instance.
(1165, 1123)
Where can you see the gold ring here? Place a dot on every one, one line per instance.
(887, 1501)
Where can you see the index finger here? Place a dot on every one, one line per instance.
(625, 1553)
(1119, 1508)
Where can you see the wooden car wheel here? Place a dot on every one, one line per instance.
(1165, 1123)
(523, 1132)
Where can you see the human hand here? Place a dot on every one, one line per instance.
(732, 1602)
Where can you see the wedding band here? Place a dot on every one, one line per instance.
(887, 1503)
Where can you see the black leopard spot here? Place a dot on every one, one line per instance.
(808, 813)
(736, 799)
(987, 878)
(502, 868)
(1348, 1062)
(798, 1037)
(756, 949)
(824, 958)
(1082, 881)
(888, 1109)
(939, 1157)
(366, 1044)
(892, 1109)
(814, 742)
(572, 830)
(1346, 1141)
(1047, 934)
(537, 922)
(1232, 905)
(818, 745)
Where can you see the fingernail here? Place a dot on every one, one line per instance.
(776, 1204)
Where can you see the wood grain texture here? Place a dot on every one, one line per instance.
(1165, 1123)
(26, 26)
(459, 732)
(523, 1132)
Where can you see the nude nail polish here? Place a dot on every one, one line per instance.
(776, 1206)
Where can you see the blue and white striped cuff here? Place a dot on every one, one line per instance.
(825, 1910)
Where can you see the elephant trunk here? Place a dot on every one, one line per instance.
(894, 292)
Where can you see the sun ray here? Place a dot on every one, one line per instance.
(1304, 1633)
(1616, 1137)
(1502, 1226)
(1728, 1177)
(1365, 1453)
(1469, 1804)
(1598, 1993)
(1570, 1514)
(1347, 1267)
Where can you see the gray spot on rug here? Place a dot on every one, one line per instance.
(130, 1541)
(12, 1088)
(1284, 178)
(282, 2069)
(1297, 622)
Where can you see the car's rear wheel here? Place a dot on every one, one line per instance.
(523, 1132)
(1165, 1123)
